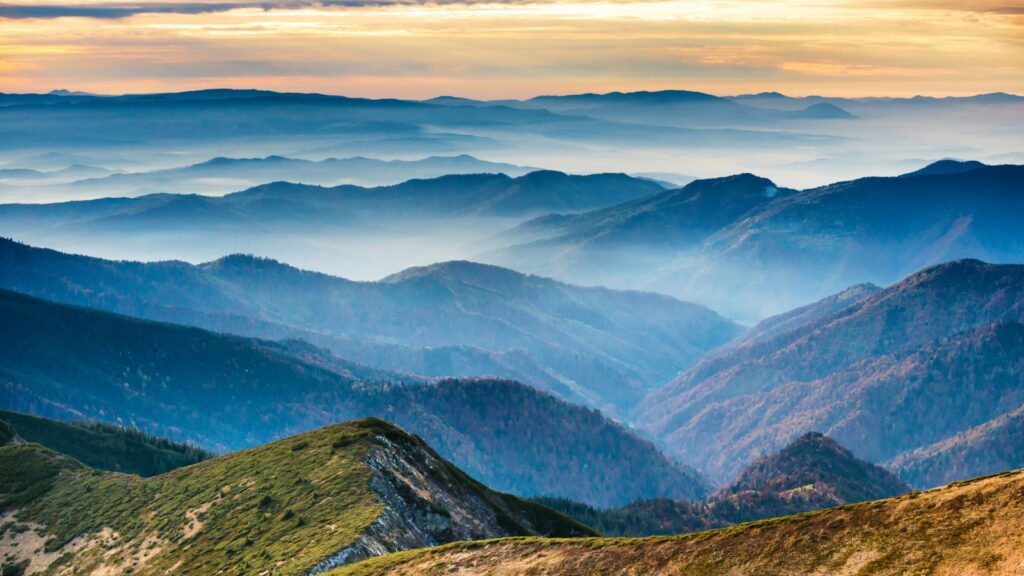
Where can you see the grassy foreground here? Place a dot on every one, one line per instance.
(285, 505)
(966, 528)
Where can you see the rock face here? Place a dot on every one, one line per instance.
(926, 359)
(302, 505)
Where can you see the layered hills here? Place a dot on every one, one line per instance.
(599, 347)
(281, 206)
(970, 528)
(921, 362)
(222, 175)
(301, 505)
(751, 249)
(227, 392)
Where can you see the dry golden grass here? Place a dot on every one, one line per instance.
(965, 529)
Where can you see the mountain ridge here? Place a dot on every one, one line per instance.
(874, 375)
(304, 505)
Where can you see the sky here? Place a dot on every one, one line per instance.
(515, 48)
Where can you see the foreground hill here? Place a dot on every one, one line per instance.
(969, 528)
(227, 392)
(926, 359)
(297, 506)
(749, 249)
(812, 473)
(104, 446)
(599, 347)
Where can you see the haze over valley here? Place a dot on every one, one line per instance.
(562, 287)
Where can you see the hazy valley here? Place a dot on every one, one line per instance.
(258, 332)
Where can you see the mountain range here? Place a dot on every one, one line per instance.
(302, 505)
(751, 249)
(676, 107)
(222, 175)
(227, 393)
(285, 204)
(933, 359)
(600, 347)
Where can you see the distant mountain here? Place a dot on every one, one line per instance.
(307, 209)
(302, 505)
(751, 250)
(227, 392)
(248, 119)
(591, 345)
(615, 245)
(919, 362)
(812, 473)
(947, 167)
(964, 528)
(104, 446)
(224, 175)
(669, 107)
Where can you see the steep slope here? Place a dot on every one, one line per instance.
(228, 392)
(970, 528)
(775, 251)
(301, 505)
(590, 345)
(104, 446)
(933, 355)
(812, 473)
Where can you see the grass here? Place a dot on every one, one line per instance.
(287, 504)
(967, 528)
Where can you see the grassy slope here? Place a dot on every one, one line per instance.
(966, 528)
(104, 446)
(282, 507)
(286, 504)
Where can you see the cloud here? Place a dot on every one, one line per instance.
(115, 10)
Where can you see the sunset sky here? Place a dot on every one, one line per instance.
(515, 48)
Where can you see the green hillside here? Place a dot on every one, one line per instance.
(323, 498)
